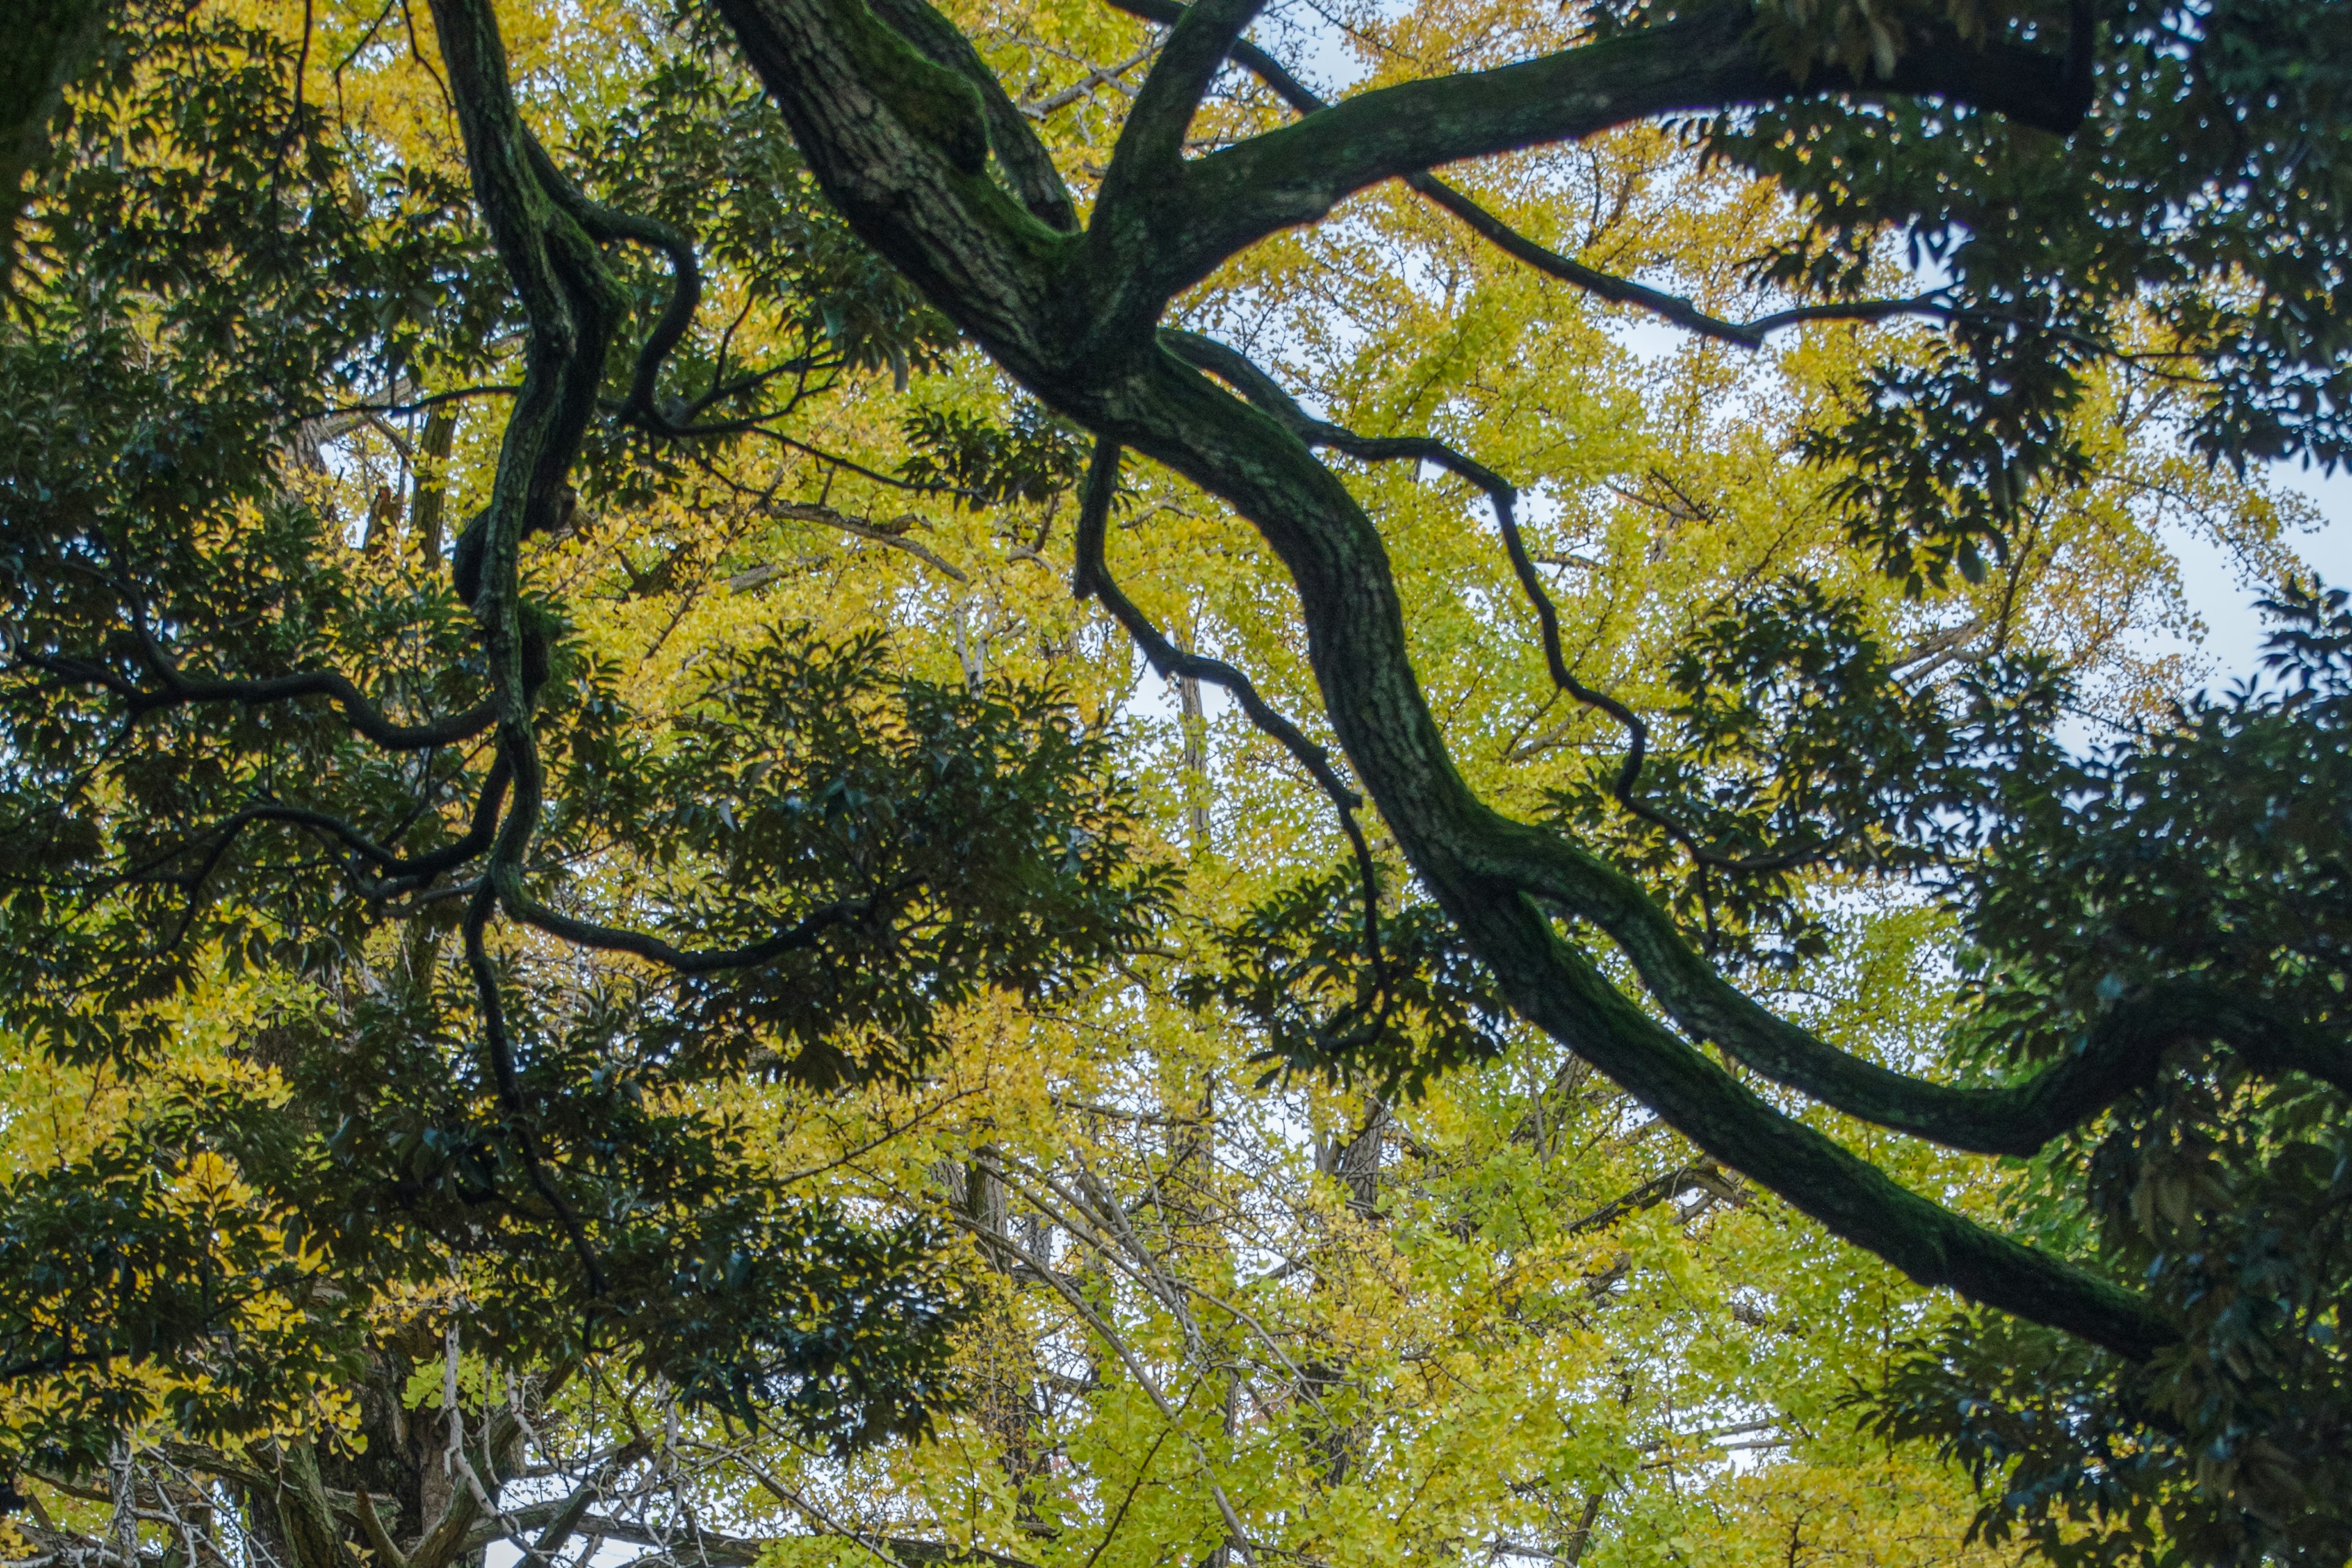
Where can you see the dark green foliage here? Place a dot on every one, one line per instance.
(97, 1262)
(2214, 852)
(147, 516)
(2197, 225)
(966, 841)
(934, 842)
(1298, 969)
(209, 278)
(1792, 746)
(1034, 459)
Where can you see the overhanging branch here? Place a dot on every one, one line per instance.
(1608, 285)
(1702, 62)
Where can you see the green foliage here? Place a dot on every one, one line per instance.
(1791, 745)
(1033, 458)
(934, 842)
(1387, 1010)
(212, 271)
(2198, 217)
(2212, 854)
(150, 1250)
(208, 276)
(663, 1013)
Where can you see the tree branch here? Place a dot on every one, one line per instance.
(1709, 60)
(801, 934)
(1482, 866)
(1149, 157)
(1608, 285)
(180, 691)
(1026, 163)
(1079, 330)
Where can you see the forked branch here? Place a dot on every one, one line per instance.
(1608, 285)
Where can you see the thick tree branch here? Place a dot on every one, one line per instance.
(1707, 61)
(901, 146)
(2120, 1053)
(1592, 280)
(1028, 167)
(1081, 336)
(1481, 866)
(1149, 158)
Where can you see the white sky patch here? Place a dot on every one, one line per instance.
(2221, 593)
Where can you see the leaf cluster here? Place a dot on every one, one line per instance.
(1791, 745)
(1390, 1005)
(2210, 854)
(2193, 230)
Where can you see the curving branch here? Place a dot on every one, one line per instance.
(1608, 285)
(513, 1104)
(1561, 991)
(2120, 1054)
(179, 691)
(1706, 60)
(1682, 312)
(800, 935)
(1091, 578)
(1077, 322)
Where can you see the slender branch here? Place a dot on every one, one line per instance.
(1705, 1176)
(864, 529)
(1090, 578)
(801, 934)
(415, 405)
(179, 691)
(1608, 285)
(416, 872)
(1672, 307)
(1163, 1283)
(1098, 76)
(1700, 62)
(1207, 353)
(1169, 1412)
(722, 1550)
(512, 1102)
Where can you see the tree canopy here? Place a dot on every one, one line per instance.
(491, 893)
